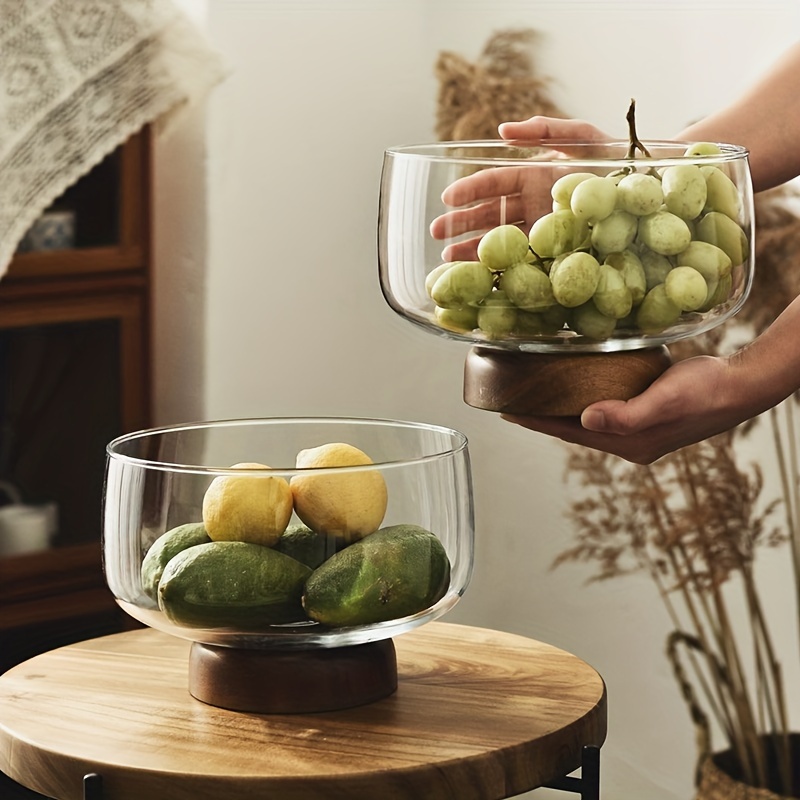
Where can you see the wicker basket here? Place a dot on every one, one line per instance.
(718, 775)
(717, 778)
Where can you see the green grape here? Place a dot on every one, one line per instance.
(593, 199)
(687, 288)
(466, 283)
(562, 189)
(556, 316)
(614, 233)
(556, 233)
(612, 297)
(719, 229)
(664, 233)
(713, 286)
(503, 246)
(542, 237)
(630, 266)
(656, 267)
(461, 320)
(720, 293)
(497, 316)
(702, 149)
(435, 274)
(722, 194)
(589, 321)
(527, 287)
(685, 190)
(575, 279)
(639, 194)
(627, 322)
(708, 259)
(657, 311)
(535, 323)
(555, 262)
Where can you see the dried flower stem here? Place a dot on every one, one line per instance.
(789, 484)
(752, 760)
(715, 619)
(719, 705)
(775, 703)
(711, 691)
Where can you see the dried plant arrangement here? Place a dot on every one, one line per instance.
(501, 85)
(694, 522)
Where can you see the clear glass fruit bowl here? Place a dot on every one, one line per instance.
(566, 246)
(284, 533)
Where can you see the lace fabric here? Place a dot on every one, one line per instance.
(77, 78)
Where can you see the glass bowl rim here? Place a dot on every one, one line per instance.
(112, 453)
(438, 152)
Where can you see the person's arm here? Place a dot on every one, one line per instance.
(766, 120)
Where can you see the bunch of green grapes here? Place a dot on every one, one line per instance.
(633, 250)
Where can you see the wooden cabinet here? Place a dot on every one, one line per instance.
(74, 373)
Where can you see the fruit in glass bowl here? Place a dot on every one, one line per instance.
(300, 545)
(566, 245)
(203, 540)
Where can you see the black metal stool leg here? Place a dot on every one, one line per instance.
(588, 785)
(590, 773)
(92, 786)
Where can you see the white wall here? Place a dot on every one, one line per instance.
(268, 300)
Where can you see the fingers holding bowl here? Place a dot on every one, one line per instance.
(508, 209)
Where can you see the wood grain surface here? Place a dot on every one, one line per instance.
(293, 681)
(478, 714)
(553, 384)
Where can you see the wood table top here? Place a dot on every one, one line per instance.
(478, 714)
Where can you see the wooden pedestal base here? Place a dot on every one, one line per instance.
(544, 384)
(292, 681)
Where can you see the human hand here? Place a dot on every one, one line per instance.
(544, 128)
(693, 400)
(514, 195)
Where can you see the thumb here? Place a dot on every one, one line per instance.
(622, 417)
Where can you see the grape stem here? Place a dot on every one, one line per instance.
(634, 141)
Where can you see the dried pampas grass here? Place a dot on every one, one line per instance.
(502, 85)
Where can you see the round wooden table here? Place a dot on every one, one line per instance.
(477, 714)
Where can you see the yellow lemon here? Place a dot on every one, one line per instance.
(349, 505)
(242, 508)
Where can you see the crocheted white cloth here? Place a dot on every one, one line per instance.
(77, 78)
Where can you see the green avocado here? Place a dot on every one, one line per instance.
(167, 545)
(392, 573)
(232, 585)
(304, 545)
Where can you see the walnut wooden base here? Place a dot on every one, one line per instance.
(544, 384)
(292, 681)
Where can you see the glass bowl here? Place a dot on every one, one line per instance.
(599, 270)
(195, 543)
